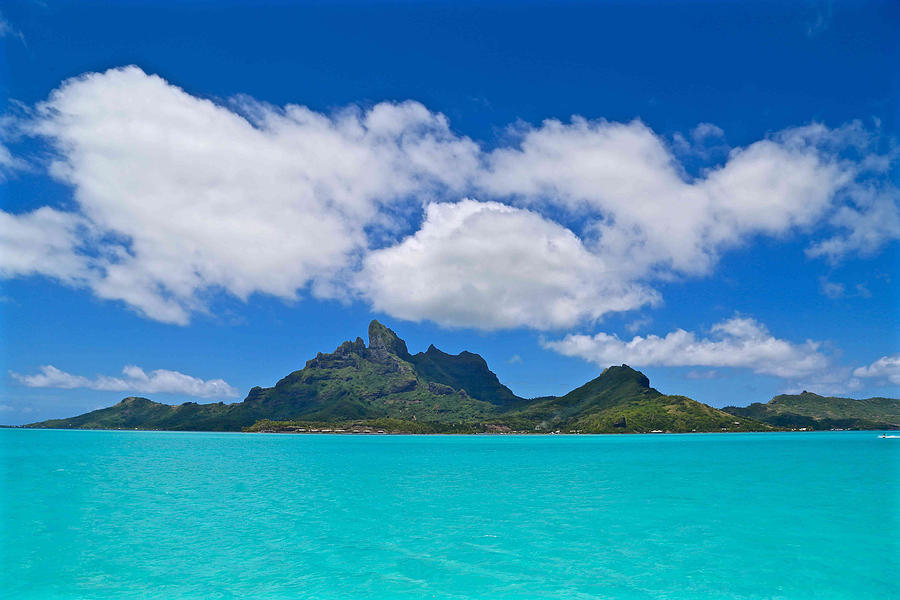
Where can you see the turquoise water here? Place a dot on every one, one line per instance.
(104, 514)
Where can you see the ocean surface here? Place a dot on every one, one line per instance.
(108, 514)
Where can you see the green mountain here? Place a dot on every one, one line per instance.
(382, 387)
(355, 382)
(141, 413)
(621, 400)
(464, 371)
(813, 411)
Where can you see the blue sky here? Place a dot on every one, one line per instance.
(206, 194)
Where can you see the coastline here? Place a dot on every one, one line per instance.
(456, 434)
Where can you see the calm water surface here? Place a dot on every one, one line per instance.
(104, 514)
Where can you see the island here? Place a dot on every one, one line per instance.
(380, 388)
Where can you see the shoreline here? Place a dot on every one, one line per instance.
(397, 433)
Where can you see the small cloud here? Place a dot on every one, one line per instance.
(638, 324)
(481, 101)
(835, 290)
(706, 141)
(831, 289)
(7, 30)
(821, 21)
(515, 359)
(702, 374)
(863, 226)
(828, 385)
(885, 369)
(706, 130)
(680, 144)
(135, 380)
(9, 163)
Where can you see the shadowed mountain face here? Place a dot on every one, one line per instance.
(382, 381)
(464, 371)
(823, 412)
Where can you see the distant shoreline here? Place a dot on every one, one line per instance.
(459, 434)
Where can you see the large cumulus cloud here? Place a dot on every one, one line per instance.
(490, 266)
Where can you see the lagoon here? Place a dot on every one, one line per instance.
(128, 514)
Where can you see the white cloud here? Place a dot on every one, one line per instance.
(487, 265)
(178, 198)
(705, 142)
(193, 196)
(864, 225)
(702, 374)
(821, 21)
(133, 379)
(837, 380)
(886, 368)
(9, 163)
(644, 220)
(638, 324)
(707, 130)
(738, 342)
(44, 242)
(835, 290)
(7, 30)
(831, 289)
(648, 214)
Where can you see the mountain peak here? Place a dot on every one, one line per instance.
(136, 400)
(383, 338)
(625, 373)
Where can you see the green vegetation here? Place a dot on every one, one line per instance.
(370, 426)
(355, 382)
(383, 388)
(465, 371)
(621, 400)
(812, 411)
(141, 413)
